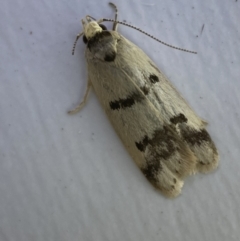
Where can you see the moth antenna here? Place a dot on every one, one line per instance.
(140, 30)
(116, 16)
(74, 45)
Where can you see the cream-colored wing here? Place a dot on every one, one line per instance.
(153, 143)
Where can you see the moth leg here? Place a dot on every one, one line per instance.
(79, 107)
(116, 15)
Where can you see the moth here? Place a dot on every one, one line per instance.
(165, 137)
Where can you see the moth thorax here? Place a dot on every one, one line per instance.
(91, 29)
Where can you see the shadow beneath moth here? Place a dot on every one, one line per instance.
(164, 136)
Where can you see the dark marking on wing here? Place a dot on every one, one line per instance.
(153, 78)
(141, 146)
(161, 138)
(109, 57)
(179, 119)
(152, 170)
(194, 137)
(145, 90)
(127, 102)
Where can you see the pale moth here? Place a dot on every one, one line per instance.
(164, 136)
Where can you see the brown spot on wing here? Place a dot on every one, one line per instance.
(141, 146)
(152, 170)
(178, 119)
(153, 78)
(160, 138)
(194, 137)
(110, 56)
(126, 102)
(204, 148)
(144, 89)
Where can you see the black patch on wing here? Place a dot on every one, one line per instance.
(141, 146)
(145, 90)
(194, 137)
(127, 102)
(160, 147)
(153, 78)
(152, 170)
(160, 138)
(109, 57)
(179, 119)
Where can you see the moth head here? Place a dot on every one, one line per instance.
(90, 28)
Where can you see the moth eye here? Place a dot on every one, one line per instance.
(103, 27)
(85, 39)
